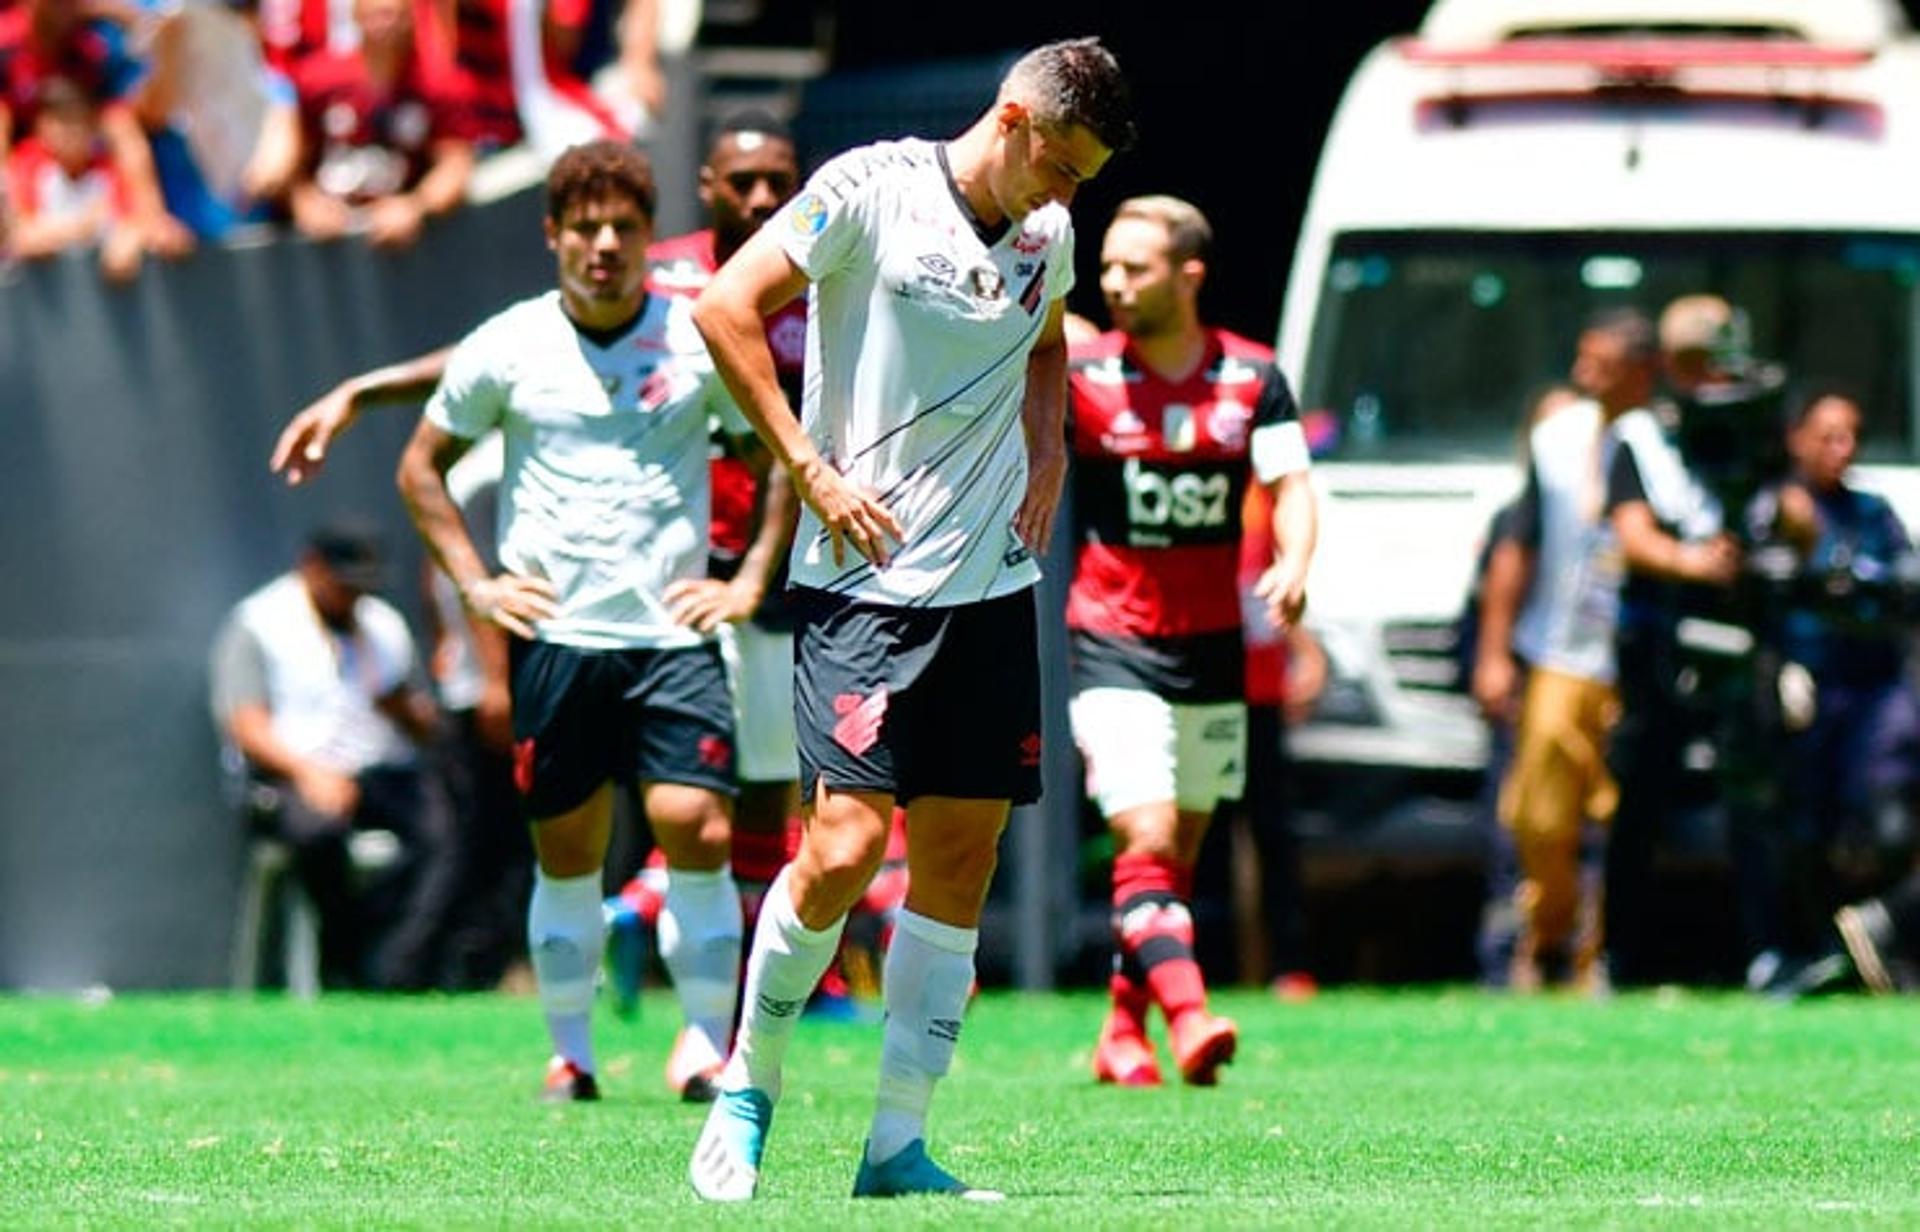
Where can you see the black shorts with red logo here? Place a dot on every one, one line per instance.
(584, 717)
(918, 701)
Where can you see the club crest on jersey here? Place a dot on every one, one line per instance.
(809, 215)
(1228, 423)
(986, 282)
(1178, 429)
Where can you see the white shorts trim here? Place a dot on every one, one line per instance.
(1142, 749)
(760, 667)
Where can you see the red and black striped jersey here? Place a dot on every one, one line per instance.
(1161, 470)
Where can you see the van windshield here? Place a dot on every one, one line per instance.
(1428, 345)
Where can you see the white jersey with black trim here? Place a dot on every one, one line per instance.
(918, 333)
(604, 490)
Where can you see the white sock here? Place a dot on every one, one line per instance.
(929, 975)
(566, 932)
(700, 947)
(788, 959)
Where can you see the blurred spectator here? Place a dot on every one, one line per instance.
(516, 58)
(1676, 549)
(313, 686)
(1549, 602)
(65, 191)
(1498, 695)
(224, 125)
(633, 85)
(1850, 714)
(45, 39)
(385, 145)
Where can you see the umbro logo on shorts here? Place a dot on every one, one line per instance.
(715, 753)
(1030, 747)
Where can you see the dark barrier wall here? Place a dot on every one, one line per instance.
(135, 509)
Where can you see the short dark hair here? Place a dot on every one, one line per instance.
(1632, 327)
(1075, 81)
(751, 120)
(596, 169)
(353, 549)
(1189, 234)
(1814, 392)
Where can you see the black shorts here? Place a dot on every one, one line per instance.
(934, 701)
(585, 717)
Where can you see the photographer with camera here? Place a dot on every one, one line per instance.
(1679, 559)
(1850, 719)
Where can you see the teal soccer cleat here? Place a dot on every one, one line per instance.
(911, 1172)
(726, 1161)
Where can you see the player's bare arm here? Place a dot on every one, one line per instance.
(302, 448)
(1296, 529)
(508, 600)
(1043, 418)
(730, 316)
(707, 603)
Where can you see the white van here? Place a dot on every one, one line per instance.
(1490, 183)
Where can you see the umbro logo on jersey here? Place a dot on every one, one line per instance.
(939, 266)
(1018, 554)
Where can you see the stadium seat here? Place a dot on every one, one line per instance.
(266, 885)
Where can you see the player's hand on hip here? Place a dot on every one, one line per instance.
(1284, 590)
(513, 602)
(707, 603)
(850, 514)
(302, 448)
(1046, 477)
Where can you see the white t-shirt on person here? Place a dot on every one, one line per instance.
(604, 490)
(918, 333)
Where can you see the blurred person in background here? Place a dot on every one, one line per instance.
(385, 134)
(1547, 624)
(64, 189)
(1673, 539)
(1170, 420)
(314, 686)
(41, 40)
(1849, 712)
(224, 124)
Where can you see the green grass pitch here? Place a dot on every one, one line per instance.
(1428, 1108)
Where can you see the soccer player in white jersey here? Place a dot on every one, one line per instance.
(929, 455)
(602, 393)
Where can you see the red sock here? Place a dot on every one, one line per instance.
(1154, 930)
